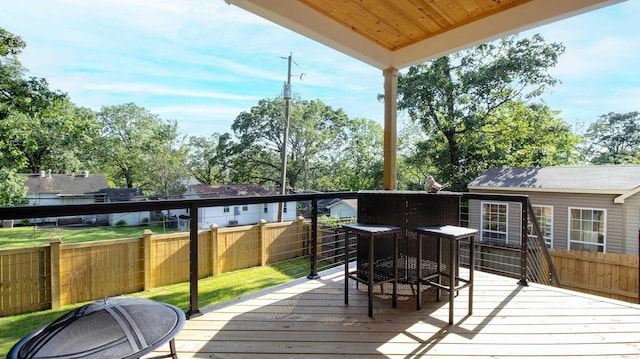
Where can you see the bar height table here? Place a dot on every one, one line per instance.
(453, 234)
(369, 275)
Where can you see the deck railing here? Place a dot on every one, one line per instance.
(324, 245)
(528, 259)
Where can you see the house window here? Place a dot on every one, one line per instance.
(494, 223)
(587, 229)
(245, 208)
(544, 217)
(266, 208)
(225, 209)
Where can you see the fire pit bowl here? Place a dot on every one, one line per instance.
(116, 327)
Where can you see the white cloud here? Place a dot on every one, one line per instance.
(165, 90)
(204, 61)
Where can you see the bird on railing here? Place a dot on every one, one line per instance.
(431, 186)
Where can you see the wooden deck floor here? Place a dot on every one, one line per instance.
(308, 319)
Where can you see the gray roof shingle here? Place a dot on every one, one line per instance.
(65, 184)
(605, 178)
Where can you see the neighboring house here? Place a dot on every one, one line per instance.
(60, 189)
(346, 208)
(46, 188)
(228, 216)
(123, 195)
(590, 208)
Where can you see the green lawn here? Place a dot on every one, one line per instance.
(31, 236)
(211, 290)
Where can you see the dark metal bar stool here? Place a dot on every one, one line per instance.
(376, 270)
(453, 234)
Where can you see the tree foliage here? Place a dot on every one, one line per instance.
(356, 163)
(455, 97)
(130, 140)
(614, 139)
(56, 138)
(314, 128)
(471, 110)
(19, 93)
(12, 189)
(167, 165)
(210, 158)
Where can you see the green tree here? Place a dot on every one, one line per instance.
(356, 163)
(314, 127)
(523, 135)
(128, 137)
(57, 138)
(614, 139)
(413, 165)
(167, 165)
(12, 189)
(210, 158)
(454, 97)
(19, 93)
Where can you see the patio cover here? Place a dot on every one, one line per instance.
(394, 34)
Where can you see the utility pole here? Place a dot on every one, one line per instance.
(283, 168)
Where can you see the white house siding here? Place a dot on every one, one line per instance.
(254, 213)
(615, 230)
(343, 210)
(50, 199)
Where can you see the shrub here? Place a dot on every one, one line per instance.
(121, 223)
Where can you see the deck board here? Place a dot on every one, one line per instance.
(308, 319)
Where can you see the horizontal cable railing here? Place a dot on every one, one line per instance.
(71, 260)
(527, 260)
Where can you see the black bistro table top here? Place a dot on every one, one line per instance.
(116, 327)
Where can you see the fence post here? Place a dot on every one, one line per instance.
(214, 249)
(146, 245)
(54, 246)
(262, 235)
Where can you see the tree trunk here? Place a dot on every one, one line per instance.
(453, 147)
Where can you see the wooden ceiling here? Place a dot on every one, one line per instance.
(394, 24)
(400, 33)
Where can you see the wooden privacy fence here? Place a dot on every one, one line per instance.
(59, 274)
(605, 274)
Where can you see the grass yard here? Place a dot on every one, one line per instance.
(211, 290)
(31, 236)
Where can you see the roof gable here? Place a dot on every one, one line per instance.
(602, 179)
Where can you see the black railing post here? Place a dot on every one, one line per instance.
(524, 242)
(194, 309)
(314, 239)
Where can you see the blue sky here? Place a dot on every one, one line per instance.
(202, 62)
